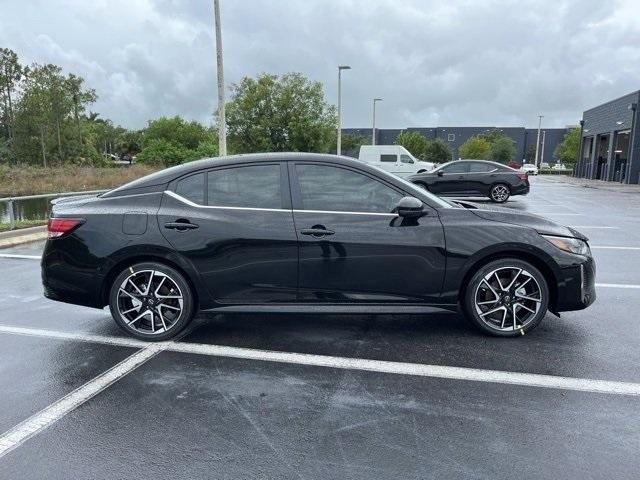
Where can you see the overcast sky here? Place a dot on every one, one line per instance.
(435, 63)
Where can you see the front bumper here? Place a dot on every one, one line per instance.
(577, 287)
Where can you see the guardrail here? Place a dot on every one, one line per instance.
(11, 200)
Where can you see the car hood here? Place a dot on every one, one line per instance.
(540, 224)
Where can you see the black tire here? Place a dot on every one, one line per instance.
(477, 289)
(179, 321)
(499, 193)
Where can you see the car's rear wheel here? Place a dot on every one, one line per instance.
(151, 301)
(499, 193)
(506, 297)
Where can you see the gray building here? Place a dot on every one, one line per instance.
(456, 136)
(610, 148)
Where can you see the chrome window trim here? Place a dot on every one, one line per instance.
(193, 204)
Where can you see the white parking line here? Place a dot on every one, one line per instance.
(617, 285)
(44, 418)
(15, 255)
(607, 247)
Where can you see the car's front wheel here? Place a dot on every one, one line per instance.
(506, 297)
(151, 301)
(499, 193)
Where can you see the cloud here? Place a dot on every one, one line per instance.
(434, 63)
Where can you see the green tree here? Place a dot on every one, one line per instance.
(476, 147)
(414, 142)
(351, 144)
(11, 73)
(530, 154)
(274, 113)
(567, 151)
(437, 151)
(503, 149)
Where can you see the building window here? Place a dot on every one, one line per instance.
(451, 137)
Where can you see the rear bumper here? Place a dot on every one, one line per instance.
(521, 189)
(577, 288)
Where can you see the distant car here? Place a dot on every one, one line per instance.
(559, 166)
(513, 164)
(111, 156)
(544, 165)
(393, 159)
(530, 168)
(472, 178)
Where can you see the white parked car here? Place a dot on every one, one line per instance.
(394, 159)
(559, 166)
(530, 168)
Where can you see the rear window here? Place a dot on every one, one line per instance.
(192, 188)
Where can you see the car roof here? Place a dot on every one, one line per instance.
(163, 177)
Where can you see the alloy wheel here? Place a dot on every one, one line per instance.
(500, 193)
(508, 298)
(150, 302)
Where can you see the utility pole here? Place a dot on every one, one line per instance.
(544, 136)
(538, 140)
(222, 125)
(373, 128)
(339, 143)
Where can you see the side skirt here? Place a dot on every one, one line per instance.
(335, 308)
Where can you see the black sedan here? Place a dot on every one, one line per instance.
(471, 178)
(305, 232)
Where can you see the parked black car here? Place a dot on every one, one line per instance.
(469, 178)
(294, 232)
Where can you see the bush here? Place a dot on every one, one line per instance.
(162, 152)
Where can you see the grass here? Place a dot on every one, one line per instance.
(22, 224)
(18, 181)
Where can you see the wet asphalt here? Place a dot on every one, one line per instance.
(182, 415)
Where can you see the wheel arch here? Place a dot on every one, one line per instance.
(536, 259)
(123, 263)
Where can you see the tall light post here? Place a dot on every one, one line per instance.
(373, 128)
(544, 136)
(222, 125)
(538, 139)
(339, 146)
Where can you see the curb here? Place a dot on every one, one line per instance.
(23, 235)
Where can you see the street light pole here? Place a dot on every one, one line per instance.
(373, 128)
(538, 140)
(544, 136)
(222, 125)
(339, 146)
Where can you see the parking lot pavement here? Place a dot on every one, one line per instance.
(201, 414)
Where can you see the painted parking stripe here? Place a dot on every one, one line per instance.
(44, 418)
(607, 247)
(381, 366)
(15, 255)
(616, 285)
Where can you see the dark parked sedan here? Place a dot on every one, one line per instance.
(469, 178)
(305, 232)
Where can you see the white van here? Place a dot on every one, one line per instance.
(393, 158)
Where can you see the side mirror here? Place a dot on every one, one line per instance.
(409, 207)
(440, 173)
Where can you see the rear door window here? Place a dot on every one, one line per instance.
(253, 186)
(458, 167)
(480, 167)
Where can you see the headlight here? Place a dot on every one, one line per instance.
(571, 245)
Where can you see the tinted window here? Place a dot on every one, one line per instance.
(477, 167)
(340, 190)
(406, 159)
(388, 158)
(459, 167)
(254, 186)
(192, 188)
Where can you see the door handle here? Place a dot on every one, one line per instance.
(317, 232)
(180, 225)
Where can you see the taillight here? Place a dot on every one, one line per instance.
(523, 176)
(61, 226)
